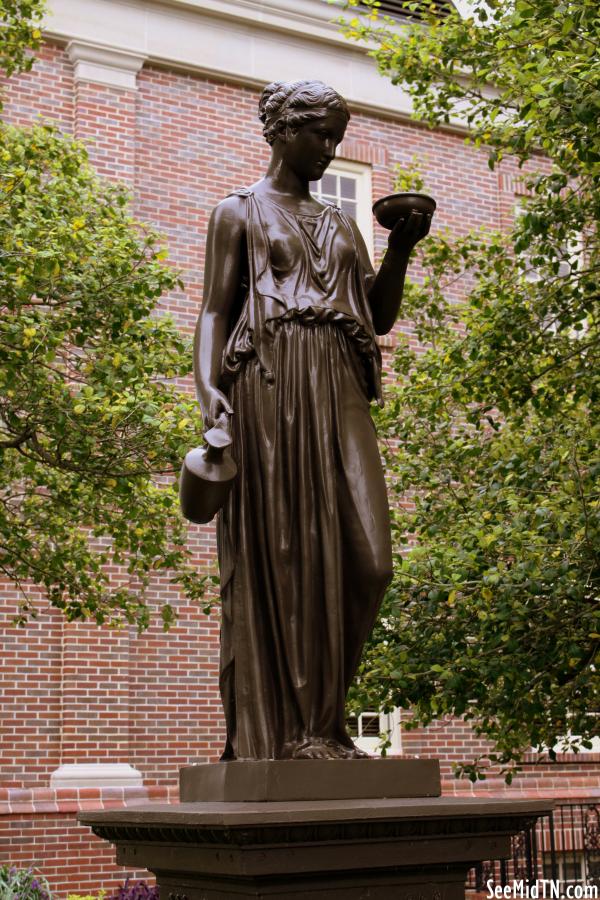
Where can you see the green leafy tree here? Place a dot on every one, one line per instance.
(91, 415)
(493, 429)
(20, 34)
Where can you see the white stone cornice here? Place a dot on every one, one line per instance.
(310, 17)
(105, 65)
(250, 42)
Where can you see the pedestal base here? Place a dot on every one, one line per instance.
(310, 779)
(354, 886)
(413, 849)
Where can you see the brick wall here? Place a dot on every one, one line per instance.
(75, 692)
(39, 827)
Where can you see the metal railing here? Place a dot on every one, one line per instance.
(563, 847)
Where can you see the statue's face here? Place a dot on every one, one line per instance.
(309, 149)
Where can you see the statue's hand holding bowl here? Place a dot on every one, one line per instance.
(407, 216)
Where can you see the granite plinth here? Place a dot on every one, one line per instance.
(386, 849)
(310, 779)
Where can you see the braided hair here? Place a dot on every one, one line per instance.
(292, 103)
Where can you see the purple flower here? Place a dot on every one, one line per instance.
(139, 891)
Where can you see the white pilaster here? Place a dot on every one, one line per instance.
(103, 65)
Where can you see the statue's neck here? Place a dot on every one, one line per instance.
(281, 179)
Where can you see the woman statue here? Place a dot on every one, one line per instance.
(285, 346)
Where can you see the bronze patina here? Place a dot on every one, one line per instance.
(285, 346)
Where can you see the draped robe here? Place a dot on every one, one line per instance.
(304, 538)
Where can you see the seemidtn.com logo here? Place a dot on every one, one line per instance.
(542, 889)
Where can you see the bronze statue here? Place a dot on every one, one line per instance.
(285, 349)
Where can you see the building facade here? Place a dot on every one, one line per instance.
(165, 93)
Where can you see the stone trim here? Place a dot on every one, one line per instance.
(583, 758)
(102, 65)
(240, 41)
(95, 775)
(36, 801)
(498, 790)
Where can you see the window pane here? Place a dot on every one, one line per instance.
(338, 188)
(347, 187)
(572, 868)
(369, 725)
(329, 185)
(352, 725)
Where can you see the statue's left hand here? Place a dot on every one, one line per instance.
(408, 232)
(216, 404)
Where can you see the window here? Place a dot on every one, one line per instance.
(572, 259)
(572, 867)
(367, 728)
(572, 254)
(563, 745)
(348, 185)
(398, 10)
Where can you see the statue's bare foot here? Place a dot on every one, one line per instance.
(357, 753)
(316, 748)
(324, 748)
(340, 750)
(351, 751)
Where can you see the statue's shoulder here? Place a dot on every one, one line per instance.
(230, 212)
(241, 192)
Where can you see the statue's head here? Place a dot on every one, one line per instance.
(290, 104)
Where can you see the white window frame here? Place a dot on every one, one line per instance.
(389, 725)
(574, 250)
(361, 172)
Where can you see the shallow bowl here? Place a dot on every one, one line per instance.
(389, 209)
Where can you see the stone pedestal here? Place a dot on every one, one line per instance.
(310, 779)
(410, 848)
